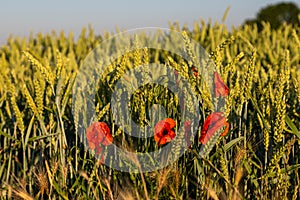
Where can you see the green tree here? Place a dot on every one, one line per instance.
(277, 14)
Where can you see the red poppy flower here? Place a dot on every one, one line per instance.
(220, 89)
(98, 134)
(212, 124)
(163, 132)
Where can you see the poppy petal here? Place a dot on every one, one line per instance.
(226, 129)
(220, 89)
(92, 145)
(159, 127)
(107, 137)
(171, 122)
(171, 134)
(212, 124)
(98, 133)
(98, 150)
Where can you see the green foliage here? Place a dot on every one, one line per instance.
(276, 15)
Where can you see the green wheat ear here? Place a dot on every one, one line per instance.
(59, 64)
(217, 54)
(296, 37)
(15, 108)
(278, 155)
(39, 87)
(44, 70)
(211, 143)
(189, 49)
(280, 108)
(101, 113)
(29, 100)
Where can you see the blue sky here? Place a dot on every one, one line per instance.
(21, 17)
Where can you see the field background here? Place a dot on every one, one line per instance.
(41, 156)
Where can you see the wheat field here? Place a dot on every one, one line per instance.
(43, 157)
